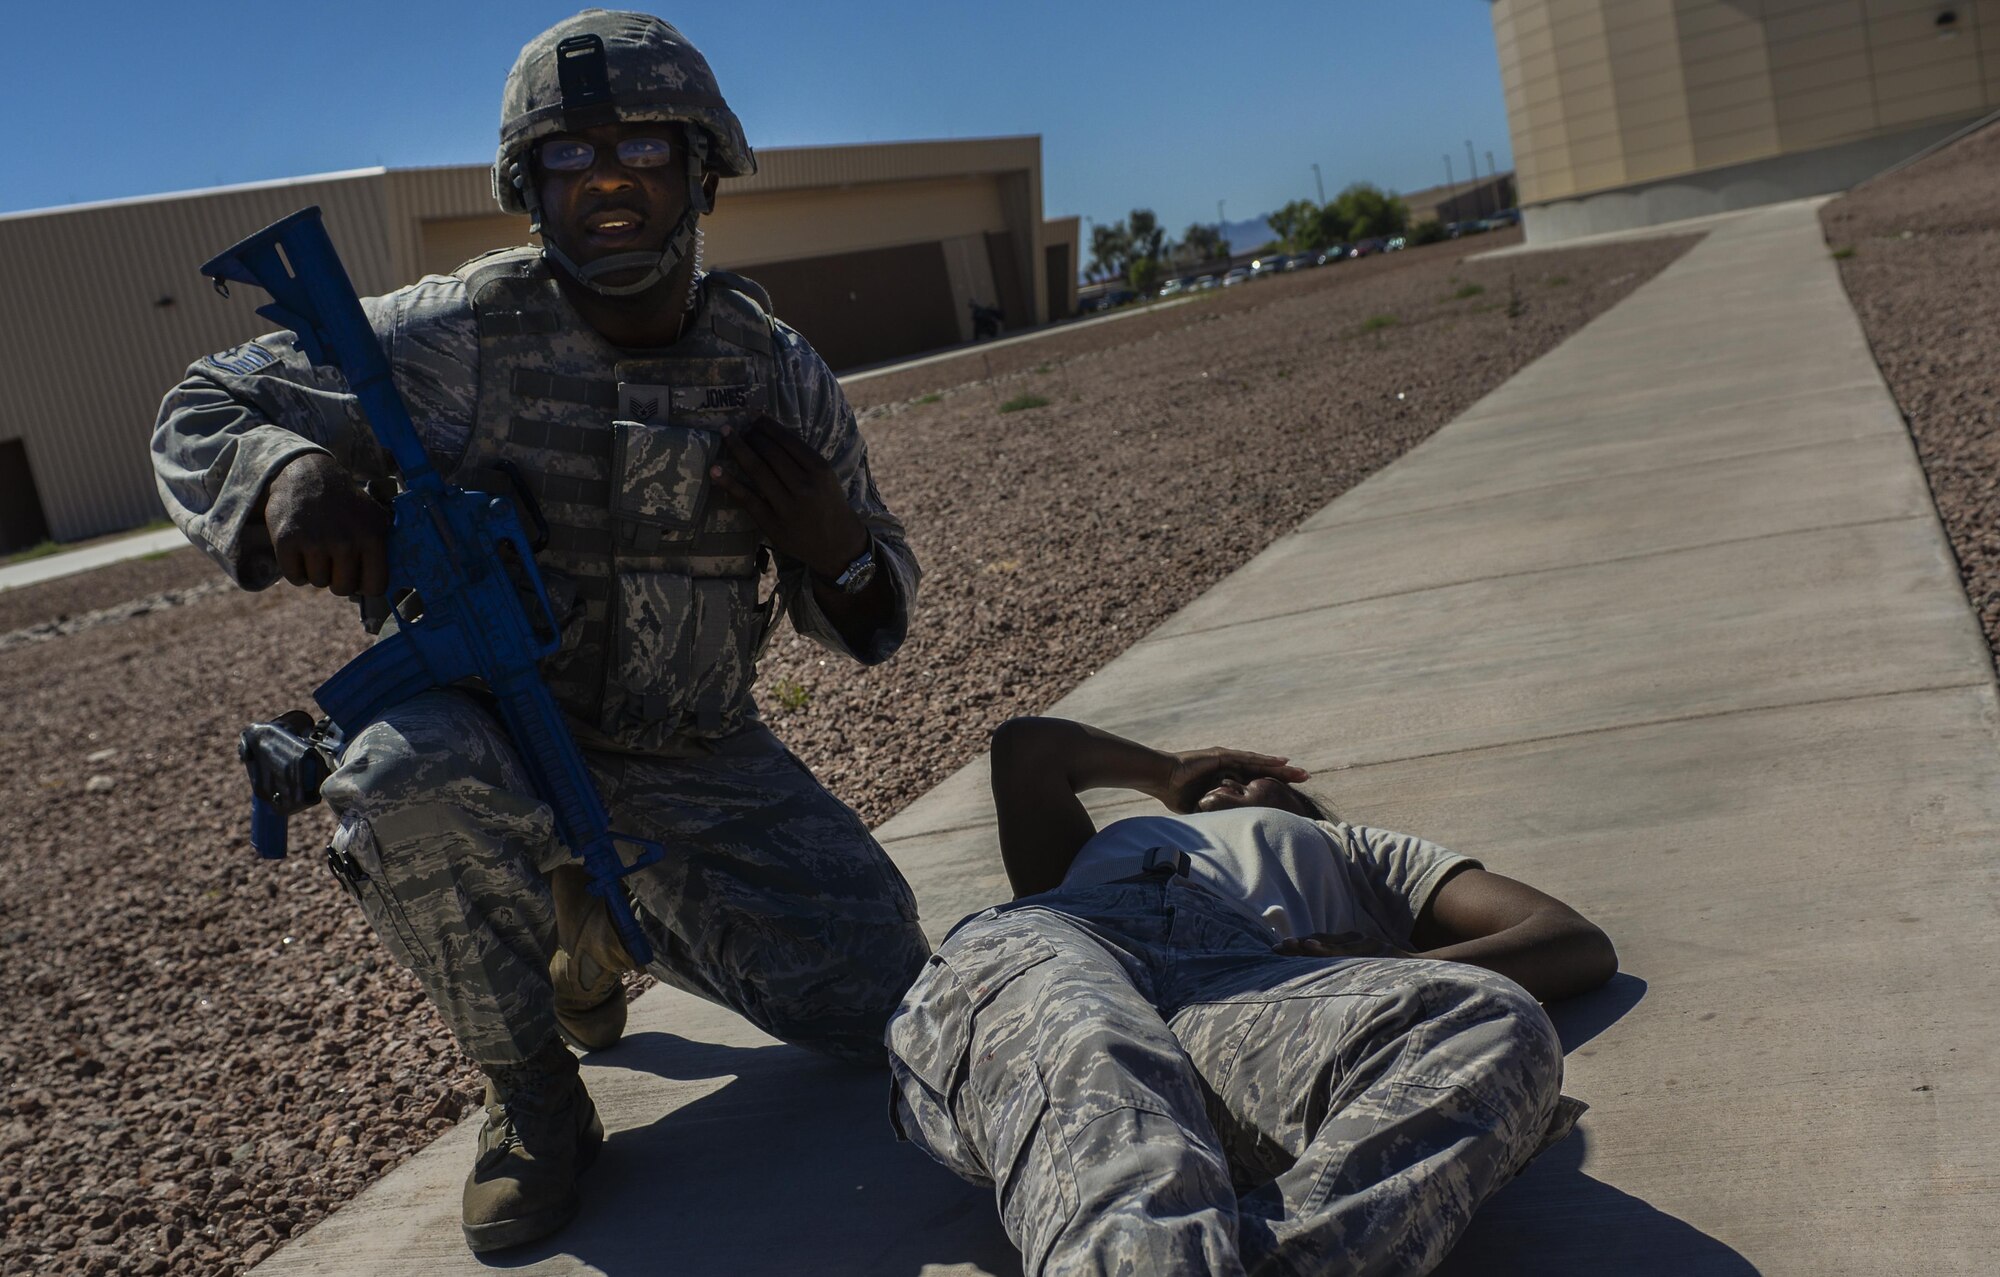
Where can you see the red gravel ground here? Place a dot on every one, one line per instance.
(1920, 254)
(205, 1053)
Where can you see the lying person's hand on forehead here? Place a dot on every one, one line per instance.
(1197, 772)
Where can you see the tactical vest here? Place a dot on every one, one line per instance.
(653, 570)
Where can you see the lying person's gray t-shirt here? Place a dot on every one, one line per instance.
(1297, 877)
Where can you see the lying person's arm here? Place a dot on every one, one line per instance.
(1040, 765)
(1492, 921)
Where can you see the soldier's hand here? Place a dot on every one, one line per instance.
(1346, 944)
(326, 531)
(793, 494)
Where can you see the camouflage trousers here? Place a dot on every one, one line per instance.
(773, 898)
(1151, 1090)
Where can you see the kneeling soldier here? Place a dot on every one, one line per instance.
(678, 440)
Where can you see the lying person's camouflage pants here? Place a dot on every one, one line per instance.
(773, 898)
(1153, 1091)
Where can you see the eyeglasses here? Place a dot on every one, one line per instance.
(568, 155)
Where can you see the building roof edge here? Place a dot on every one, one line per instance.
(161, 197)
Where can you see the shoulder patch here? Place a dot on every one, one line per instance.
(243, 360)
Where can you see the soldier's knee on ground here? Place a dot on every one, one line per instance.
(838, 993)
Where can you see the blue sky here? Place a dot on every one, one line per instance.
(1168, 105)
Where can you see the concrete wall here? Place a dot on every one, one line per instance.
(1736, 186)
(1617, 95)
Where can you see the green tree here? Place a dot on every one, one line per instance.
(1110, 249)
(1297, 225)
(1144, 275)
(1367, 211)
(1144, 238)
(1332, 227)
(1428, 231)
(1200, 243)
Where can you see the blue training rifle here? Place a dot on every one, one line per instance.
(461, 572)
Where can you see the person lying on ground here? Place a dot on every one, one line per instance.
(1245, 1037)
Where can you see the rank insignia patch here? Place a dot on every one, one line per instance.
(638, 402)
(243, 360)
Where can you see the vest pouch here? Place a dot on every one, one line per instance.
(581, 607)
(659, 483)
(685, 653)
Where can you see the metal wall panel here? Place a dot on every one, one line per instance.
(793, 167)
(105, 312)
(415, 196)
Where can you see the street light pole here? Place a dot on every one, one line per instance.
(1452, 182)
(1319, 183)
(1472, 163)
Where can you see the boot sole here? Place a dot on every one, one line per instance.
(505, 1234)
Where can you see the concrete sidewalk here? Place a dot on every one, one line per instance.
(1665, 625)
(70, 562)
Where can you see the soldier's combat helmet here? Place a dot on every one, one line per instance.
(603, 67)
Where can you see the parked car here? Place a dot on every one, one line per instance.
(1110, 299)
(1298, 260)
(1396, 244)
(1334, 253)
(1237, 275)
(1204, 283)
(1367, 247)
(1268, 265)
(1173, 287)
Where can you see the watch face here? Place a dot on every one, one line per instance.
(859, 573)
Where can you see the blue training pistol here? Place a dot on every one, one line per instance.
(462, 573)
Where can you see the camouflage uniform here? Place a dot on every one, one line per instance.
(1151, 1089)
(773, 899)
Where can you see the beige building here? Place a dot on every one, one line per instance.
(1633, 112)
(1461, 201)
(873, 252)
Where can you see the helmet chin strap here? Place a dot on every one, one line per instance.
(657, 266)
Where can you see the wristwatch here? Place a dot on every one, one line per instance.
(855, 577)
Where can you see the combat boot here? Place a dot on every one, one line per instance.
(541, 1132)
(590, 998)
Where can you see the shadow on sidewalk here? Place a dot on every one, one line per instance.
(1580, 1019)
(789, 1167)
(1556, 1221)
